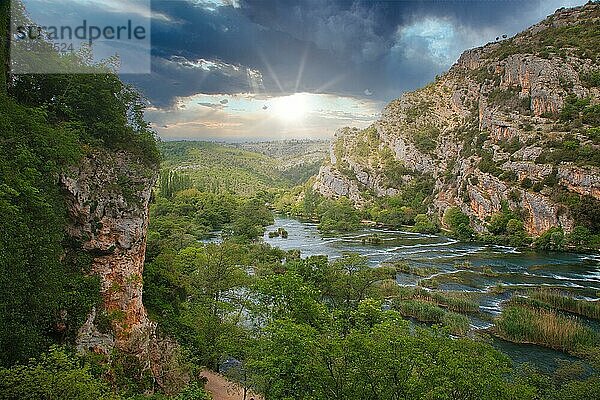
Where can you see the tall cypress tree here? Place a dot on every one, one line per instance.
(5, 43)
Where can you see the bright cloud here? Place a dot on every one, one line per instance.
(252, 116)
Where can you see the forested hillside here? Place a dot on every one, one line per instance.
(243, 168)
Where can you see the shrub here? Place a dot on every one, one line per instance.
(552, 239)
(425, 139)
(526, 183)
(338, 215)
(423, 224)
(591, 78)
(459, 223)
(487, 165)
(55, 375)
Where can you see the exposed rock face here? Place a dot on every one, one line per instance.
(107, 196)
(483, 132)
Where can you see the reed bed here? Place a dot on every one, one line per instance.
(454, 301)
(557, 299)
(525, 324)
(427, 312)
(404, 268)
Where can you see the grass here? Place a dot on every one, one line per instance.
(425, 311)
(418, 271)
(525, 324)
(453, 301)
(553, 298)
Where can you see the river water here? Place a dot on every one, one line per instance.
(459, 266)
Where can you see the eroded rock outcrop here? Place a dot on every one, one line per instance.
(107, 196)
(489, 132)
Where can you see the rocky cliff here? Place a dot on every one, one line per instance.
(513, 123)
(107, 196)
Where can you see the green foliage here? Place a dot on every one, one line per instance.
(552, 239)
(428, 312)
(512, 145)
(250, 219)
(488, 165)
(392, 169)
(545, 327)
(424, 224)
(591, 78)
(506, 227)
(582, 208)
(579, 37)
(594, 135)
(106, 111)
(338, 215)
(570, 150)
(189, 216)
(193, 391)
(379, 358)
(458, 223)
(509, 99)
(47, 123)
(425, 139)
(237, 169)
(403, 208)
(36, 280)
(417, 110)
(558, 300)
(171, 182)
(55, 375)
(454, 301)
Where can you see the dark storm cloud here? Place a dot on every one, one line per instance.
(359, 48)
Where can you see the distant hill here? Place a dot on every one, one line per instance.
(244, 168)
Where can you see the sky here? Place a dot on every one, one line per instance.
(239, 70)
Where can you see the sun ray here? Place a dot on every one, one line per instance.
(301, 68)
(332, 82)
(270, 70)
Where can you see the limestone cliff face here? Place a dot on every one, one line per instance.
(107, 196)
(487, 132)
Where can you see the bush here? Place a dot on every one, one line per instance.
(591, 78)
(425, 139)
(55, 375)
(459, 223)
(487, 165)
(526, 183)
(338, 215)
(552, 239)
(423, 224)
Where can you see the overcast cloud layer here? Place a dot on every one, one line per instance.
(225, 68)
(357, 48)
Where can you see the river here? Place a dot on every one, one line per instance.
(459, 266)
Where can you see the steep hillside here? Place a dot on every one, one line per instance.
(513, 127)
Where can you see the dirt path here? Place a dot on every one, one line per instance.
(222, 389)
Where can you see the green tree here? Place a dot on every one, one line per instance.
(250, 219)
(338, 215)
(458, 223)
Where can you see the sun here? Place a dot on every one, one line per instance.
(290, 108)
